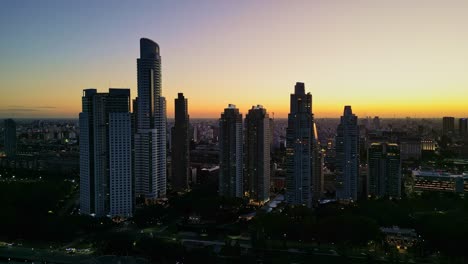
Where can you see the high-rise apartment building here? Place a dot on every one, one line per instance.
(231, 154)
(150, 136)
(106, 153)
(10, 138)
(180, 145)
(300, 148)
(448, 125)
(347, 156)
(384, 170)
(257, 155)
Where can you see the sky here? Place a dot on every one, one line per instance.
(384, 58)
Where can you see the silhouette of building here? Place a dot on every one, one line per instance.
(448, 125)
(384, 170)
(463, 127)
(300, 148)
(106, 153)
(150, 137)
(180, 145)
(10, 138)
(376, 123)
(257, 155)
(347, 156)
(230, 147)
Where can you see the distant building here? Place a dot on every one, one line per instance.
(257, 155)
(384, 170)
(448, 125)
(428, 144)
(300, 148)
(410, 148)
(439, 182)
(401, 238)
(106, 153)
(10, 138)
(376, 123)
(180, 145)
(347, 156)
(231, 154)
(463, 127)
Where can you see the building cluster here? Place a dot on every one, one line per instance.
(39, 144)
(245, 154)
(123, 154)
(125, 144)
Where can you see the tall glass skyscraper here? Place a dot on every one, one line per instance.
(230, 153)
(300, 148)
(180, 145)
(257, 155)
(347, 156)
(150, 136)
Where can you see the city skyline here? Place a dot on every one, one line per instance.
(391, 59)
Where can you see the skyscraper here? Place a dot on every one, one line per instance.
(180, 145)
(384, 170)
(150, 137)
(463, 127)
(257, 155)
(448, 125)
(347, 156)
(106, 153)
(300, 148)
(10, 138)
(230, 150)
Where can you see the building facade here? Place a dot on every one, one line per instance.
(463, 127)
(347, 156)
(448, 125)
(231, 154)
(150, 136)
(106, 186)
(10, 138)
(300, 148)
(384, 170)
(180, 145)
(257, 155)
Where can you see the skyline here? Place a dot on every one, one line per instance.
(393, 59)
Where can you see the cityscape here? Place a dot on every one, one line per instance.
(139, 174)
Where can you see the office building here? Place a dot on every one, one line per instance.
(300, 148)
(180, 145)
(106, 153)
(347, 156)
(150, 136)
(257, 155)
(230, 153)
(384, 170)
(10, 138)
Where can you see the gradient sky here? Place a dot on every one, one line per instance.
(388, 58)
